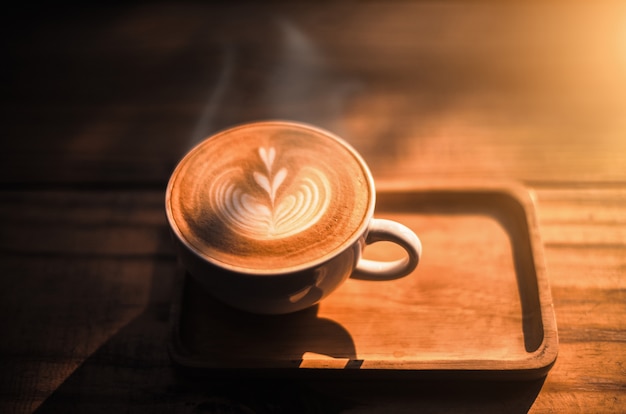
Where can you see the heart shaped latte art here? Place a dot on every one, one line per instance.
(268, 207)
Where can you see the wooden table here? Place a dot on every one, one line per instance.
(99, 103)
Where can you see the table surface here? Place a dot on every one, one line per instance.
(100, 102)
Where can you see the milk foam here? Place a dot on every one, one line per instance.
(266, 205)
(270, 196)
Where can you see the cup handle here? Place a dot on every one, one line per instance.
(391, 231)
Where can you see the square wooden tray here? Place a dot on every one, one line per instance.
(478, 305)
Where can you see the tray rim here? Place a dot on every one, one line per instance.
(535, 364)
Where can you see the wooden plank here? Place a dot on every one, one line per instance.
(586, 274)
(93, 322)
(582, 228)
(77, 268)
(119, 101)
(95, 224)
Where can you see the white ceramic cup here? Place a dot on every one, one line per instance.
(277, 288)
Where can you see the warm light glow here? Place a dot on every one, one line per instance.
(315, 360)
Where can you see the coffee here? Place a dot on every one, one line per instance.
(271, 197)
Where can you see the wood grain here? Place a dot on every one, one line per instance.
(480, 301)
(108, 310)
(419, 89)
(99, 103)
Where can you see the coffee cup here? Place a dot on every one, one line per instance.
(271, 217)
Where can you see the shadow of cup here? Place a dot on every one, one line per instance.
(211, 330)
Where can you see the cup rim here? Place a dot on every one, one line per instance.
(334, 252)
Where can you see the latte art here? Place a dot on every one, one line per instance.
(270, 197)
(279, 207)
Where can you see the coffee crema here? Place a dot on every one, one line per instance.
(270, 197)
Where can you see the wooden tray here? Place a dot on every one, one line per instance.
(478, 305)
